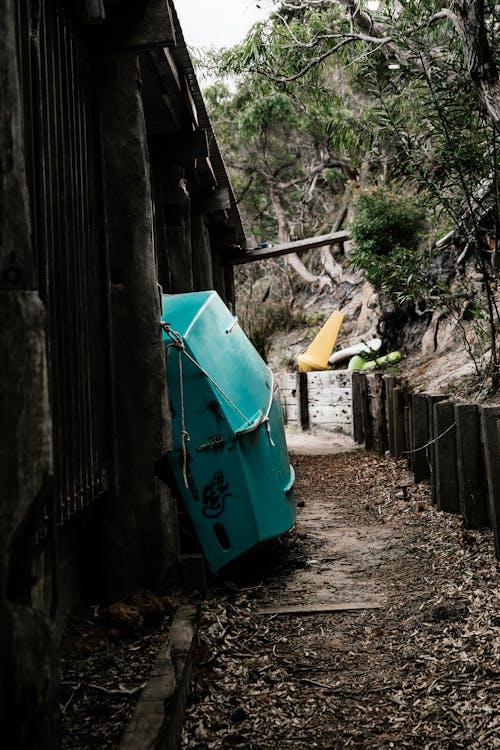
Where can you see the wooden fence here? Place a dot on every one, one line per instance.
(317, 400)
(453, 445)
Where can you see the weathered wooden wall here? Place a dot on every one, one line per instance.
(287, 382)
(76, 238)
(28, 663)
(140, 517)
(318, 400)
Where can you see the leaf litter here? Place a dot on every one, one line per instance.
(420, 671)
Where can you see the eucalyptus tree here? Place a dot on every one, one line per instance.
(407, 91)
(289, 179)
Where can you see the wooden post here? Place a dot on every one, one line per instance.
(473, 491)
(139, 524)
(28, 650)
(389, 385)
(399, 396)
(303, 400)
(376, 404)
(218, 270)
(358, 433)
(178, 230)
(409, 431)
(365, 413)
(490, 425)
(444, 476)
(431, 453)
(202, 255)
(420, 436)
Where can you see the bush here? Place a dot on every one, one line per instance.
(386, 230)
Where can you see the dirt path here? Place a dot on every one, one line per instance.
(417, 666)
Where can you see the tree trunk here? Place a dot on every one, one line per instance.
(293, 259)
(332, 268)
(468, 21)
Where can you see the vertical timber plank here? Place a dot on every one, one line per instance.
(408, 430)
(365, 413)
(358, 433)
(431, 450)
(303, 400)
(376, 403)
(473, 490)
(399, 401)
(420, 436)
(389, 385)
(490, 423)
(445, 475)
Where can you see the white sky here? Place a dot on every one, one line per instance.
(219, 23)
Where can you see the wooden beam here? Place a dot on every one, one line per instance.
(134, 27)
(174, 148)
(261, 253)
(219, 200)
(90, 11)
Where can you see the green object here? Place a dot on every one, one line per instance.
(389, 359)
(229, 454)
(357, 363)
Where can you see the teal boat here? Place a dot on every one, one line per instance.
(229, 455)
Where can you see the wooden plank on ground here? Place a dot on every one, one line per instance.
(315, 609)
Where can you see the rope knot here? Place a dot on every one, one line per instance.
(175, 338)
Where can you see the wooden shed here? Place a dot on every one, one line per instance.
(113, 190)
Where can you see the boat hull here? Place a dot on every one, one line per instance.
(229, 455)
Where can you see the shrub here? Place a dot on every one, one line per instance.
(386, 230)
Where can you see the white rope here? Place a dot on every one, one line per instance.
(228, 399)
(266, 415)
(184, 434)
(178, 343)
(423, 447)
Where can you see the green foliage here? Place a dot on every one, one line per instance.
(384, 221)
(387, 229)
(310, 85)
(273, 111)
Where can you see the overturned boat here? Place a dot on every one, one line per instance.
(229, 455)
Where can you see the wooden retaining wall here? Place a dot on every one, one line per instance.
(317, 400)
(455, 446)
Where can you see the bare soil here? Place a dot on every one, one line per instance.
(412, 662)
